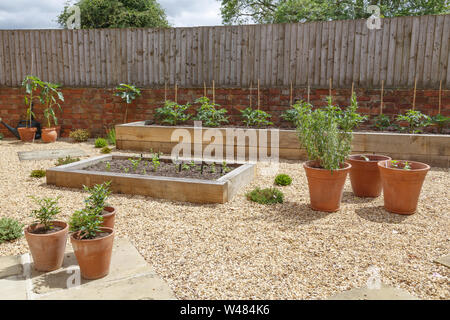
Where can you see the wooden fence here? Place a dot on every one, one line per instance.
(402, 50)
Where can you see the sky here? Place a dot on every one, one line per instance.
(41, 14)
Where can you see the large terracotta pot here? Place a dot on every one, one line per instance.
(49, 135)
(94, 256)
(325, 188)
(365, 176)
(401, 188)
(27, 134)
(109, 217)
(47, 249)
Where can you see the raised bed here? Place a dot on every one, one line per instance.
(429, 148)
(220, 190)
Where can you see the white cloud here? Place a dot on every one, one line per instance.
(41, 14)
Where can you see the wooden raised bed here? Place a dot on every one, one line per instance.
(429, 148)
(180, 189)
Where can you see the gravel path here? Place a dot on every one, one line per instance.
(243, 250)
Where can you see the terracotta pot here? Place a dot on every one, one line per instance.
(47, 249)
(401, 188)
(27, 134)
(94, 256)
(365, 176)
(325, 188)
(109, 217)
(49, 135)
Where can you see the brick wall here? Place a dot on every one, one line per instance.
(96, 108)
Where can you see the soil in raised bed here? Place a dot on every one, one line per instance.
(166, 169)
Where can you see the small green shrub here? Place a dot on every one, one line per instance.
(101, 143)
(255, 118)
(209, 115)
(48, 210)
(292, 115)
(80, 135)
(66, 160)
(172, 113)
(283, 180)
(10, 229)
(416, 121)
(38, 173)
(106, 150)
(382, 122)
(86, 222)
(266, 196)
(98, 195)
(111, 136)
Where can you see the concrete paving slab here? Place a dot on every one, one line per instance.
(10, 266)
(384, 293)
(445, 260)
(130, 277)
(50, 154)
(13, 288)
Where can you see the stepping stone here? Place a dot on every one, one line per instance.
(384, 293)
(130, 278)
(50, 154)
(445, 260)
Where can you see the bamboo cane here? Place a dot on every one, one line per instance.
(176, 93)
(309, 93)
(165, 91)
(291, 95)
(331, 86)
(440, 96)
(258, 96)
(251, 89)
(414, 98)
(382, 96)
(204, 89)
(214, 93)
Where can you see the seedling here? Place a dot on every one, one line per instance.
(108, 166)
(185, 167)
(225, 168)
(156, 157)
(67, 160)
(400, 165)
(212, 168)
(135, 163)
(365, 158)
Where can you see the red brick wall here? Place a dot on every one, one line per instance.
(95, 109)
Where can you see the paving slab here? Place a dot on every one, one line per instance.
(130, 278)
(50, 154)
(384, 293)
(445, 260)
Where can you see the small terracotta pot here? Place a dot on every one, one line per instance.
(27, 134)
(47, 249)
(401, 188)
(109, 217)
(94, 256)
(365, 176)
(49, 135)
(325, 188)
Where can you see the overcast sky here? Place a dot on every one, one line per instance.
(41, 14)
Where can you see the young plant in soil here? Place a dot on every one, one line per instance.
(66, 160)
(255, 118)
(45, 214)
(156, 161)
(135, 163)
(382, 122)
(209, 115)
(440, 122)
(404, 165)
(173, 113)
(416, 120)
(101, 143)
(128, 93)
(292, 115)
(86, 223)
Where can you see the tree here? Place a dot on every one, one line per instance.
(281, 11)
(117, 14)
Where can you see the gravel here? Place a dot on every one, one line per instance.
(243, 250)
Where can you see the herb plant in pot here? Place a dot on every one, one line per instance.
(365, 176)
(47, 237)
(326, 134)
(402, 183)
(92, 243)
(49, 97)
(31, 84)
(97, 200)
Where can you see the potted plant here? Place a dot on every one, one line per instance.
(402, 183)
(365, 176)
(128, 93)
(31, 84)
(47, 237)
(49, 98)
(326, 134)
(97, 200)
(92, 243)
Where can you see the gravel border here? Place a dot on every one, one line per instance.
(242, 250)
